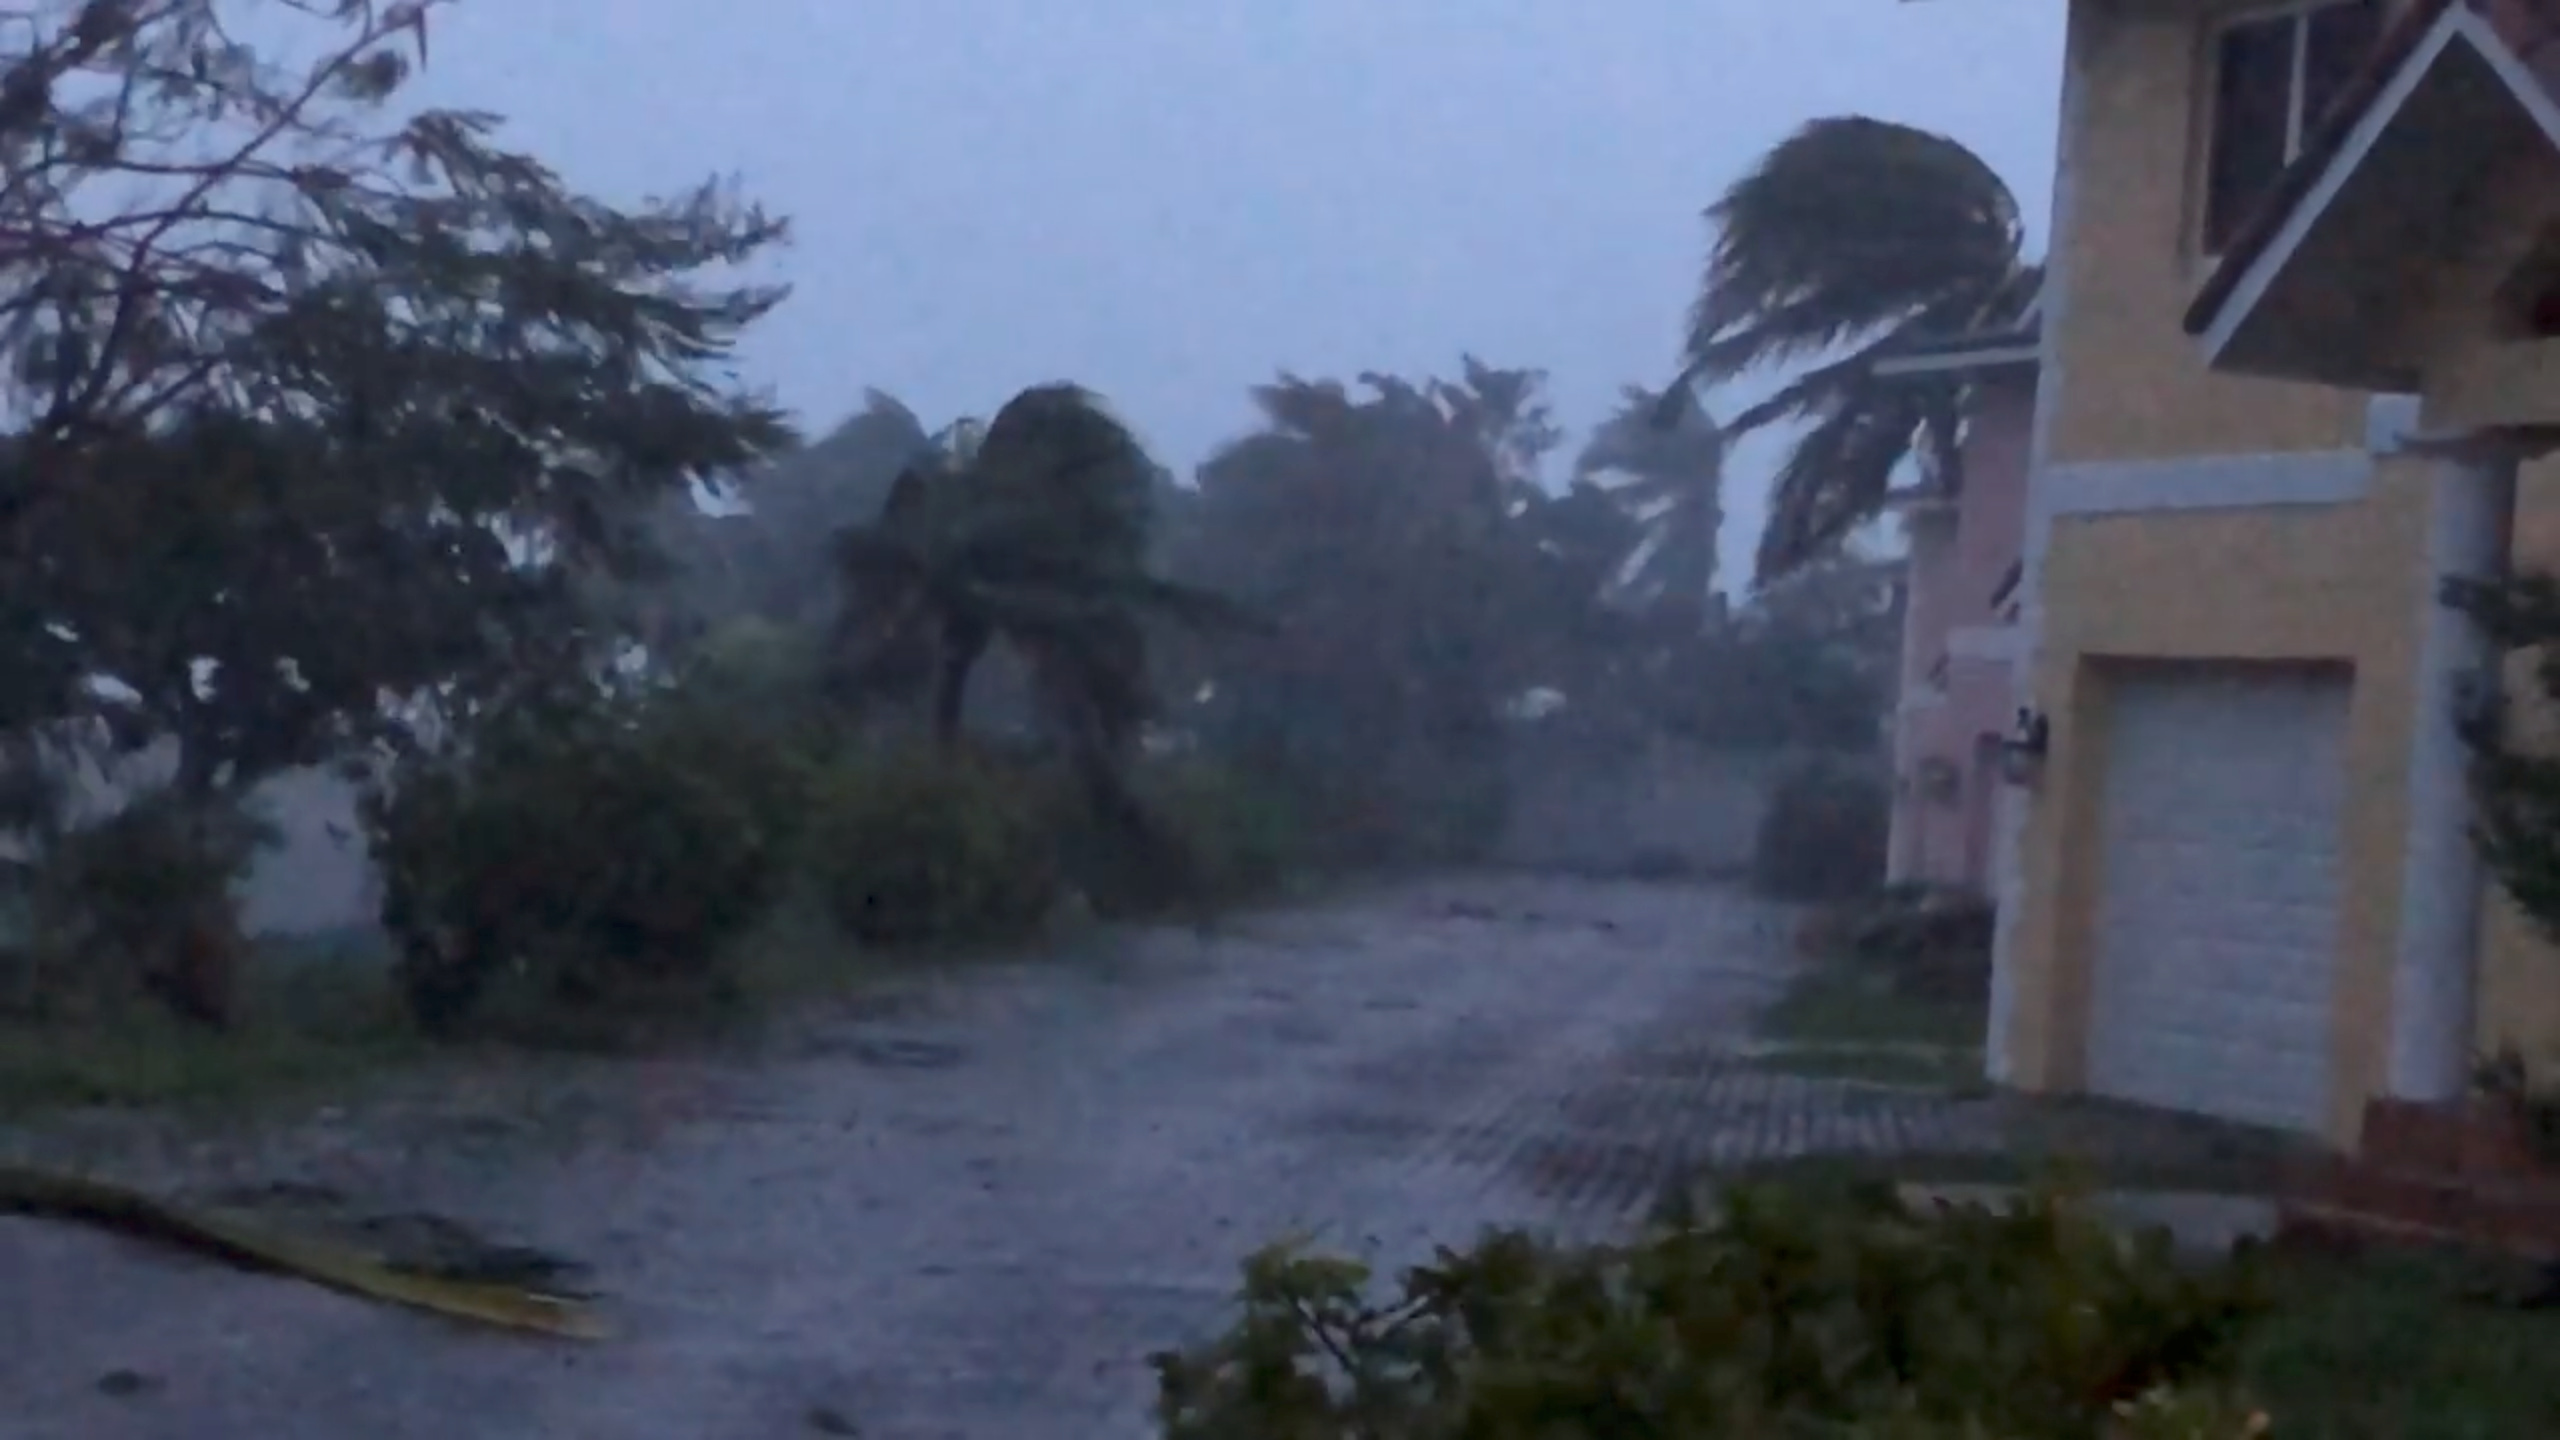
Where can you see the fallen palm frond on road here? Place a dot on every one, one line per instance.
(25, 1191)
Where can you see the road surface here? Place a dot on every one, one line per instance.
(970, 1208)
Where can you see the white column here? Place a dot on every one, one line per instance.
(2470, 521)
(1926, 532)
(2008, 893)
(2089, 28)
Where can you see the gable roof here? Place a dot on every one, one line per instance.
(2515, 38)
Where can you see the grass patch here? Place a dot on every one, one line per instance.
(319, 1015)
(315, 1012)
(1907, 1067)
(2383, 1345)
(1842, 1021)
(2401, 1347)
(1839, 1005)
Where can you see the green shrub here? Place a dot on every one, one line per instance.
(1215, 834)
(761, 679)
(1246, 836)
(1823, 835)
(1795, 1312)
(142, 901)
(911, 846)
(600, 849)
(1931, 941)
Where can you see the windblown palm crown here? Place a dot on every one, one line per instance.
(1854, 235)
(1033, 532)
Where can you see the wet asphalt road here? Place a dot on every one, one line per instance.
(971, 1209)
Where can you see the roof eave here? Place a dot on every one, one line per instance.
(2024, 353)
(1918, 500)
(2230, 313)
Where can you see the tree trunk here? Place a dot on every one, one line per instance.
(962, 648)
(197, 768)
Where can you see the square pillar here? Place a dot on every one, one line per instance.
(2435, 968)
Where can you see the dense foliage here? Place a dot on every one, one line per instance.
(590, 845)
(347, 436)
(2515, 770)
(1823, 835)
(916, 846)
(311, 374)
(1790, 1312)
(139, 904)
(1929, 942)
(1377, 530)
(330, 413)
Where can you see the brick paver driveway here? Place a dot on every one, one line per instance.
(972, 1212)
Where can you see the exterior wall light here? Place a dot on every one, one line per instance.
(2022, 749)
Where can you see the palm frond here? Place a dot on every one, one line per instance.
(1837, 476)
(1194, 607)
(1058, 447)
(1859, 422)
(1665, 456)
(1651, 435)
(1846, 227)
(224, 1238)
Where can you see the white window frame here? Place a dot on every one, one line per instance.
(2297, 14)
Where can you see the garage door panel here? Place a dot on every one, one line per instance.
(2217, 925)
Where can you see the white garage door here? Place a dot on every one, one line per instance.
(2218, 923)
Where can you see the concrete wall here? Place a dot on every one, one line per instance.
(1991, 524)
(1956, 684)
(1622, 808)
(316, 878)
(319, 878)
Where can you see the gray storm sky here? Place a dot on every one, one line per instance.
(1171, 200)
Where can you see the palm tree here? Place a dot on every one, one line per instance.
(1667, 456)
(1032, 532)
(1854, 235)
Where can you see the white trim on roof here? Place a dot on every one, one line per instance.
(1939, 363)
(2459, 22)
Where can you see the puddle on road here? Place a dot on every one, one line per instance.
(907, 1054)
(1362, 1129)
(1300, 1031)
(885, 1052)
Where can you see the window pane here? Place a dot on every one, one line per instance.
(2341, 41)
(2252, 94)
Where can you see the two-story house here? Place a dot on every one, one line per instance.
(1959, 634)
(2300, 359)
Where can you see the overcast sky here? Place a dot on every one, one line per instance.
(1171, 200)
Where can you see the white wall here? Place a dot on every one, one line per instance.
(315, 879)
(1616, 808)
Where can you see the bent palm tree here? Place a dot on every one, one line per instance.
(1860, 235)
(1672, 481)
(1033, 533)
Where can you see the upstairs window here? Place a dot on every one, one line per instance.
(2276, 75)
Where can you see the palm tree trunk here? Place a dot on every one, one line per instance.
(962, 648)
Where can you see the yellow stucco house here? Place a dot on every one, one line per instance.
(2301, 334)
